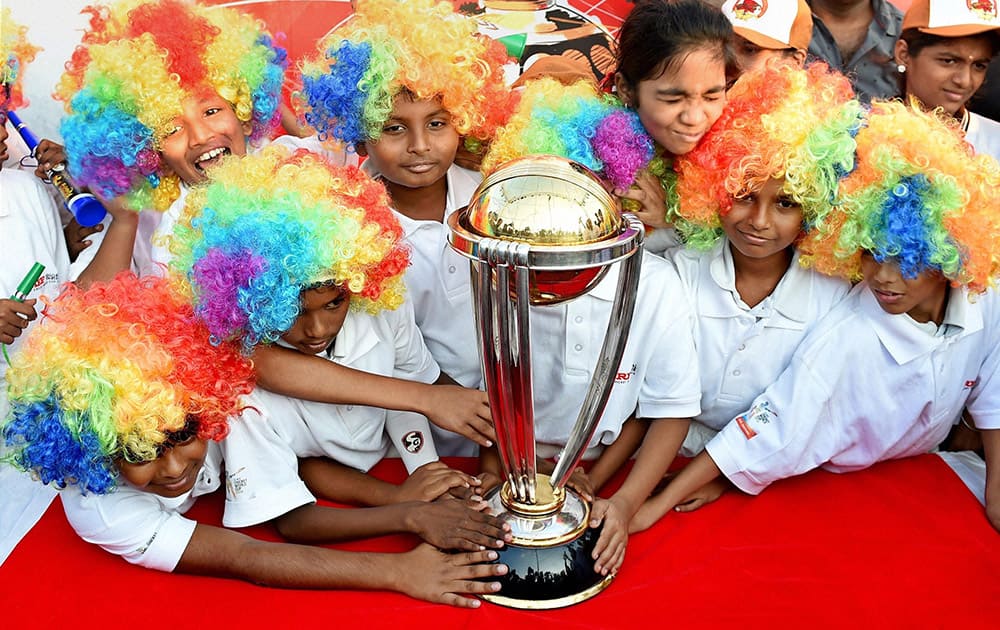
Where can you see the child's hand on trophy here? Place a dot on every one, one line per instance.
(462, 525)
(460, 410)
(609, 552)
(580, 481)
(445, 578)
(431, 481)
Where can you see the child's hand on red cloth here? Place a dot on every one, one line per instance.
(431, 481)
(462, 525)
(704, 495)
(609, 552)
(428, 574)
(14, 318)
(461, 410)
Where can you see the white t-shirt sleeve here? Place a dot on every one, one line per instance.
(411, 432)
(131, 524)
(789, 430)
(262, 476)
(671, 387)
(984, 400)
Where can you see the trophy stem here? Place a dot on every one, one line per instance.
(607, 364)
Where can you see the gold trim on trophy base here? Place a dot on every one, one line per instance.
(548, 500)
(549, 604)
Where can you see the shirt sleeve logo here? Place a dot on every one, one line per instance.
(413, 441)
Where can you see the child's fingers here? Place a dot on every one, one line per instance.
(597, 513)
(691, 505)
(459, 601)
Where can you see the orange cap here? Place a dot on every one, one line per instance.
(952, 18)
(773, 24)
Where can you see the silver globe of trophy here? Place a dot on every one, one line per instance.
(542, 230)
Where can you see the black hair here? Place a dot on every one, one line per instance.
(659, 33)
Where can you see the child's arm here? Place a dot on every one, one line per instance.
(991, 449)
(700, 471)
(336, 482)
(657, 452)
(424, 573)
(446, 524)
(464, 411)
(114, 253)
(615, 455)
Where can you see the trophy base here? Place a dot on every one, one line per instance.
(544, 570)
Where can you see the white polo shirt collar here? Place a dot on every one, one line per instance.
(906, 342)
(790, 299)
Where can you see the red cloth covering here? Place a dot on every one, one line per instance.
(903, 545)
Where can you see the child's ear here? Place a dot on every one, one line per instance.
(625, 92)
(247, 127)
(361, 149)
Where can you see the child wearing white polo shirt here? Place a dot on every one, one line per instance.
(888, 372)
(286, 248)
(402, 83)
(120, 401)
(752, 189)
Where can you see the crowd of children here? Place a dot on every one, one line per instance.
(266, 316)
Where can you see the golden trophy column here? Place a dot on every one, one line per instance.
(542, 230)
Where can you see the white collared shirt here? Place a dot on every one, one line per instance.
(357, 436)
(438, 286)
(984, 135)
(742, 350)
(867, 386)
(658, 373)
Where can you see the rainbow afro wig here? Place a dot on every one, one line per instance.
(125, 85)
(270, 225)
(110, 374)
(388, 47)
(17, 53)
(918, 196)
(780, 122)
(577, 122)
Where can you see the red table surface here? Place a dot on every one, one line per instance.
(902, 544)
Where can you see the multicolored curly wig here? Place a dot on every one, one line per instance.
(17, 53)
(270, 225)
(109, 375)
(918, 196)
(139, 61)
(387, 47)
(779, 122)
(577, 122)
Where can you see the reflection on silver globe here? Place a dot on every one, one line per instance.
(542, 230)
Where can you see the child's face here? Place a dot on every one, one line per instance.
(764, 223)
(922, 298)
(948, 73)
(750, 56)
(207, 130)
(171, 474)
(678, 107)
(321, 318)
(417, 145)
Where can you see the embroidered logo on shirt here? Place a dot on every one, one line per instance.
(234, 484)
(762, 413)
(741, 422)
(413, 441)
(625, 377)
(752, 9)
